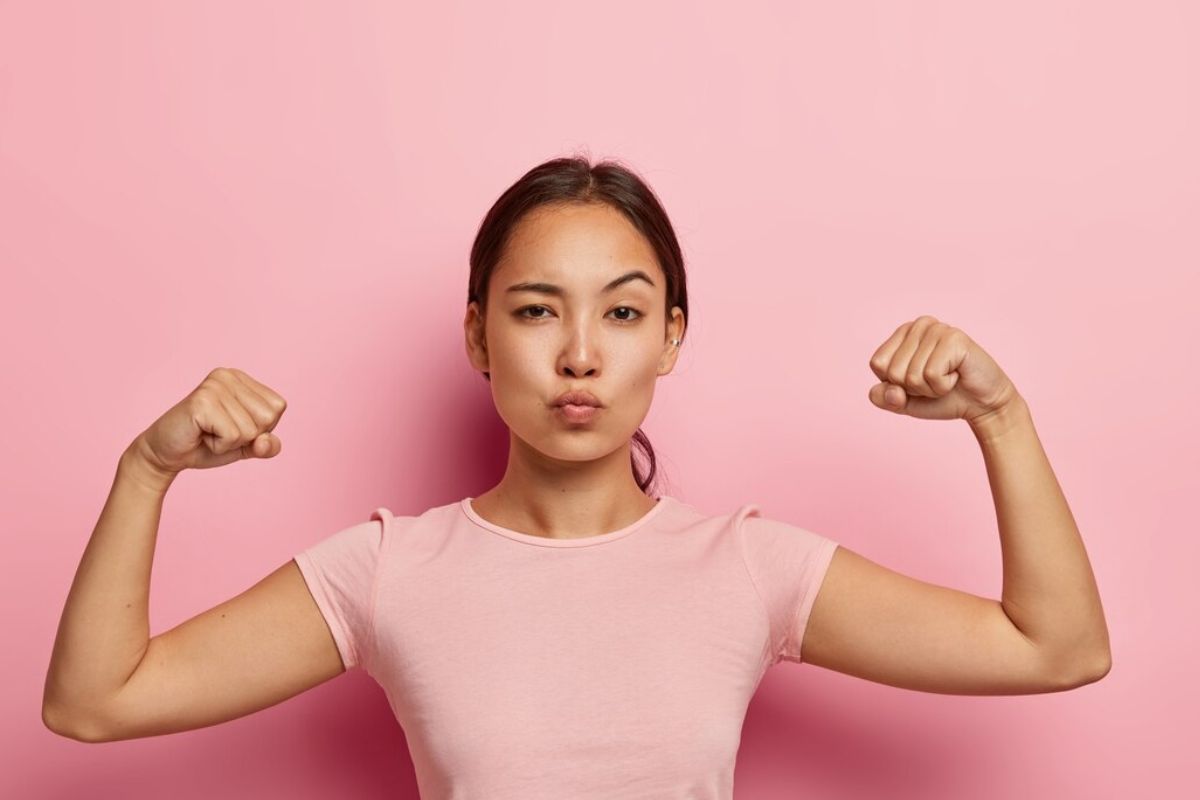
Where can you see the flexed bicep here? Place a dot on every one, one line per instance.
(874, 623)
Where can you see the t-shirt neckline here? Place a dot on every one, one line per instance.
(580, 541)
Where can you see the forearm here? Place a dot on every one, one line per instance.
(1049, 590)
(105, 625)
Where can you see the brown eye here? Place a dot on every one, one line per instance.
(520, 312)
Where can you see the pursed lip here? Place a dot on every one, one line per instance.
(577, 398)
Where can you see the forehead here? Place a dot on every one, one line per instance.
(575, 244)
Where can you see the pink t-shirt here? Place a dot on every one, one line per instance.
(610, 666)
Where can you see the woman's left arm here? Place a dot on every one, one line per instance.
(931, 370)
(1047, 632)
(1049, 590)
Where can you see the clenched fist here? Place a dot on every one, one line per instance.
(228, 417)
(932, 370)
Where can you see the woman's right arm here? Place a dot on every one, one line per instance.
(108, 679)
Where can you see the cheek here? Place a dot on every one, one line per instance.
(642, 369)
(518, 360)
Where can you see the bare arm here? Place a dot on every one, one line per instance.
(1047, 632)
(1049, 591)
(104, 630)
(108, 679)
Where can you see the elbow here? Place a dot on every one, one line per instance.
(1085, 670)
(60, 721)
(56, 720)
(1101, 666)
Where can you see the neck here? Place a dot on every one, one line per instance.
(561, 499)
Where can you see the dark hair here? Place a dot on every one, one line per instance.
(576, 180)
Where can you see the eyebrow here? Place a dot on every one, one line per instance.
(558, 291)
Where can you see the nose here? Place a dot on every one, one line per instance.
(579, 355)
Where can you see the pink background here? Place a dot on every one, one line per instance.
(292, 189)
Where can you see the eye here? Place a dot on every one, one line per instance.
(520, 312)
(627, 308)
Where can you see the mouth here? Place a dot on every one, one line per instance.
(576, 413)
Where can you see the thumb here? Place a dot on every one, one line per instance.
(893, 397)
(266, 445)
(889, 396)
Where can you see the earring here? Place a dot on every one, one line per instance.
(675, 342)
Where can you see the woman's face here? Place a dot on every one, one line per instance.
(562, 315)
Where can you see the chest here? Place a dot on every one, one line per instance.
(577, 657)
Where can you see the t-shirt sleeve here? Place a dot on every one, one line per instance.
(787, 565)
(341, 571)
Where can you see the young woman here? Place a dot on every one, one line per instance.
(569, 632)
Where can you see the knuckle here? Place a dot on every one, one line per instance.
(262, 417)
(210, 404)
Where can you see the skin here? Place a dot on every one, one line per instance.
(567, 479)
(108, 680)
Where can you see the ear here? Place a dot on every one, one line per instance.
(474, 332)
(675, 329)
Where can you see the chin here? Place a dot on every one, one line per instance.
(572, 446)
(577, 450)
